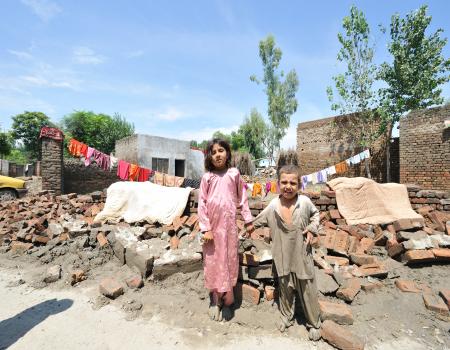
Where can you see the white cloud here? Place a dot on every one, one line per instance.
(44, 9)
(21, 54)
(43, 82)
(171, 114)
(85, 55)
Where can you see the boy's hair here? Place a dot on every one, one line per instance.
(289, 169)
(208, 153)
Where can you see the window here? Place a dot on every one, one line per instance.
(161, 165)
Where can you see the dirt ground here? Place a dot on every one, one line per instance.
(173, 313)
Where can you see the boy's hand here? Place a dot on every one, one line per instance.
(208, 237)
(249, 228)
(309, 237)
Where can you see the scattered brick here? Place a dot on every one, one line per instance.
(336, 260)
(174, 242)
(135, 282)
(341, 243)
(40, 239)
(436, 304)
(102, 239)
(445, 294)
(365, 245)
(110, 288)
(335, 214)
(441, 254)
(369, 286)
(349, 290)
(340, 337)
(269, 292)
(408, 224)
(407, 286)
(247, 293)
(339, 313)
(362, 259)
(77, 276)
(418, 256)
(20, 247)
(373, 270)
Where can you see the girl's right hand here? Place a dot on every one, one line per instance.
(208, 237)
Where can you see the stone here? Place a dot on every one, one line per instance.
(407, 286)
(362, 259)
(269, 293)
(422, 243)
(54, 229)
(418, 256)
(445, 295)
(260, 272)
(77, 276)
(181, 260)
(340, 337)
(371, 284)
(140, 256)
(339, 313)
(53, 274)
(135, 282)
(436, 304)
(325, 283)
(20, 247)
(395, 249)
(440, 240)
(349, 290)
(247, 293)
(110, 288)
(405, 235)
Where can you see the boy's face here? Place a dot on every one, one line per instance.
(288, 185)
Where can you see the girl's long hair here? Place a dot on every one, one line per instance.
(208, 153)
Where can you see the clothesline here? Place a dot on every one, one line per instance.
(125, 170)
(339, 168)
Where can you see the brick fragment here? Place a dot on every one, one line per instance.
(110, 288)
(349, 290)
(341, 243)
(365, 245)
(40, 239)
(77, 276)
(373, 270)
(339, 313)
(335, 214)
(336, 260)
(260, 272)
(407, 286)
(436, 304)
(135, 282)
(408, 224)
(445, 295)
(101, 239)
(368, 286)
(362, 259)
(247, 293)
(442, 254)
(191, 221)
(20, 247)
(340, 337)
(174, 242)
(330, 224)
(418, 256)
(248, 259)
(269, 292)
(341, 222)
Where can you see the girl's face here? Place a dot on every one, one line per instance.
(219, 156)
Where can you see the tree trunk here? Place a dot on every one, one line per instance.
(367, 167)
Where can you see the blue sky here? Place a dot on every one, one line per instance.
(175, 68)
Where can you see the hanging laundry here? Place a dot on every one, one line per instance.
(89, 154)
(83, 150)
(273, 187)
(355, 159)
(144, 174)
(309, 177)
(314, 178)
(77, 148)
(102, 160)
(158, 178)
(178, 181)
(250, 187)
(341, 167)
(169, 180)
(133, 172)
(112, 162)
(331, 170)
(304, 182)
(321, 176)
(72, 146)
(257, 189)
(362, 156)
(367, 153)
(268, 187)
(122, 169)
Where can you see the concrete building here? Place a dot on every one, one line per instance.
(170, 156)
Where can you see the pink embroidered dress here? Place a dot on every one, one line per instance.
(220, 194)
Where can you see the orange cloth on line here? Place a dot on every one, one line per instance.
(75, 147)
(341, 167)
(158, 179)
(178, 181)
(133, 172)
(257, 189)
(83, 150)
(169, 180)
(273, 186)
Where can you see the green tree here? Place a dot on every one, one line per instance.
(280, 89)
(26, 128)
(253, 132)
(418, 71)
(99, 131)
(5, 144)
(354, 87)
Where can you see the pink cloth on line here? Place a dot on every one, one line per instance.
(122, 169)
(220, 195)
(89, 154)
(102, 160)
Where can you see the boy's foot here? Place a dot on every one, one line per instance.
(227, 313)
(314, 334)
(215, 313)
(283, 325)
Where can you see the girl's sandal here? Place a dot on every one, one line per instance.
(215, 312)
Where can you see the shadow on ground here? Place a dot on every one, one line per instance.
(12, 329)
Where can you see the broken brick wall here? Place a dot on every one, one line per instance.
(325, 142)
(81, 179)
(425, 148)
(52, 165)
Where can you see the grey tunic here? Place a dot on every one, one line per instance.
(288, 249)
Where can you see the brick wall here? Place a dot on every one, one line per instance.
(425, 148)
(52, 165)
(81, 179)
(324, 142)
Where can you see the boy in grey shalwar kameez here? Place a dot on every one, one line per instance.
(293, 220)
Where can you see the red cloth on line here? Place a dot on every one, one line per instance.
(144, 174)
(122, 169)
(133, 172)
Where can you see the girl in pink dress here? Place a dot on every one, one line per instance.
(221, 192)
